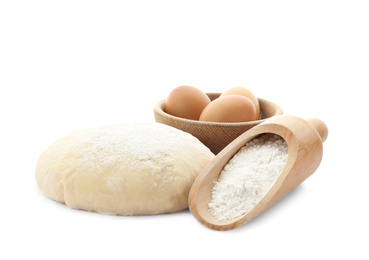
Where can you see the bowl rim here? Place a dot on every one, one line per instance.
(159, 109)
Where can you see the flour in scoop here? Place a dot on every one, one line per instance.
(248, 176)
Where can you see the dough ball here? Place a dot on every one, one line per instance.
(131, 169)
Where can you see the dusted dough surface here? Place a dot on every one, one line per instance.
(131, 169)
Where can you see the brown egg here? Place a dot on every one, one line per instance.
(231, 108)
(246, 93)
(186, 102)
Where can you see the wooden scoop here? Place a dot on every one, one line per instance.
(304, 139)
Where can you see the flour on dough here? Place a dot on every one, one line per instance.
(128, 169)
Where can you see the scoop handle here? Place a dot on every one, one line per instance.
(320, 126)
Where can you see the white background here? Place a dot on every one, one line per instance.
(67, 65)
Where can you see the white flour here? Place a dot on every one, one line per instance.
(105, 146)
(248, 176)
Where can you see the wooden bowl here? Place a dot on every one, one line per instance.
(215, 135)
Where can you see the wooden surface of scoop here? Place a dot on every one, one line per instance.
(305, 152)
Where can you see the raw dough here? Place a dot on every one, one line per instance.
(131, 169)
